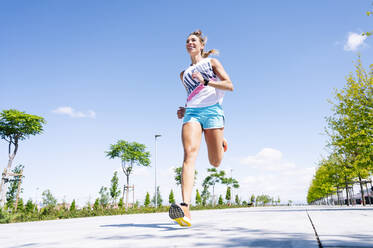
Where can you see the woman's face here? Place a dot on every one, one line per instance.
(194, 45)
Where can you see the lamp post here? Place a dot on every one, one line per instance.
(155, 169)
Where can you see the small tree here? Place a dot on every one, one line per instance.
(20, 205)
(147, 199)
(16, 126)
(228, 195)
(120, 204)
(205, 194)
(114, 189)
(159, 198)
(29, 207)
(252, 199)
(96, 205)
(237, 200)
(11, 195)
(220, 202)
(104, 197)
(212, 179)
(48, 199)
(171, 198)
(130, 154)
(198, 198)
(72, 206)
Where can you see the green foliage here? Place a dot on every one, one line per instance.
(220, 202)
(132, 153)
(178, 175)
(16, 125)
(350, 129)
(212, 179)
(228, 194)
(120, 204)
(198, 198)
(48, 199)
(29, 207)
(20, 205)
(11, 194)
(114, 189)
(72, 206)
(263, 199)
(96, 205)
(237, 200)
(252, 198)
(205, 194)
(104, 197)
(171, 198)
(159, 198)
(147, 199)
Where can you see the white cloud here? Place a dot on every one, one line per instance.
(73, 113)
(354, 41)
(268, 159)
(271, 174)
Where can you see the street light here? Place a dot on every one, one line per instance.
(155, 168)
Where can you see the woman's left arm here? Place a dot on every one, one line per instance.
(225, 82)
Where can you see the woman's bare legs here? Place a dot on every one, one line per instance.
(214, 140)
(191, 136)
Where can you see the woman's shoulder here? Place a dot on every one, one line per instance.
(214, 62)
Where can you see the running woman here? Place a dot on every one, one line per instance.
(205, 81)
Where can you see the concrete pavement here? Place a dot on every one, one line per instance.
(245, 227)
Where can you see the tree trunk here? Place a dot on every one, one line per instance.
(347, 200)
(213, 195)
(362, 191)
(128, 187)
(366, 187)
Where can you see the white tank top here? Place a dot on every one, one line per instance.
(198, 94)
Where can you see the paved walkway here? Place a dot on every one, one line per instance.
(246, 227)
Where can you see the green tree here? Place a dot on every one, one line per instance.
(13, 187)
(29, 207)
(120, 204)
(72, 206)
(147, 199)
(198, 198)
(130, 154)
(350, 128)
(220, 201)
(205, 194)
(159, 198)
(252, 198)
(96, 205)
(178, 175)
(114, 189)
(228, 194)
(16, 126)
(104, 197)
(230, 182)
(212, 179)
(237, 200)
(20, 205)
(48, 199)
(171, 198)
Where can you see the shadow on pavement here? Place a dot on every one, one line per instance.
(165, 226)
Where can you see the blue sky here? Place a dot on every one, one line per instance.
(113, 69)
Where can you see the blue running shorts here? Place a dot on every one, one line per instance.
(209, 117)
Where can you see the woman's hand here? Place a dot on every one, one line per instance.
(180, 112)
(198, 76)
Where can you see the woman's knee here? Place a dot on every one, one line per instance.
(190, 153)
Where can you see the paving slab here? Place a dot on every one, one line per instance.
(343, 226)
(244, 227)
